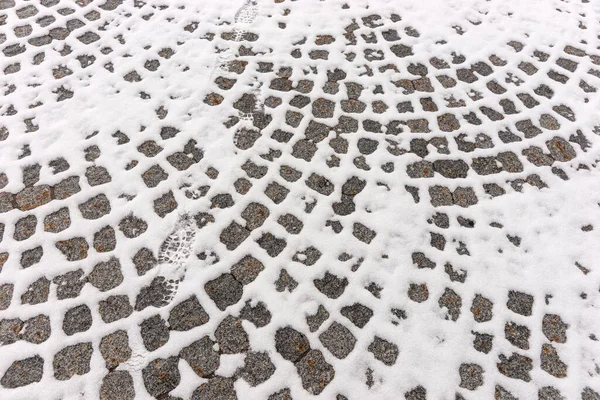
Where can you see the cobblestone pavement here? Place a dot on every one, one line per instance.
(290, 199)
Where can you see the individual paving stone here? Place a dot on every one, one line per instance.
(418, 293)
(405, 107)
(466, 75)
(589, 394)
(383, 351)
(285, 281)
(117, 385)
(187, 315)
(97, 175)
(224, 291)
(31, 256)
(353, 106)
(422, 261)
(291, 344)
(144, 260)
(314, 321)
(367, 146)
(547, 121)
(452, 301)
(115, 349)
(245, 138)
(165, 204)
(105, 240)
(282, 136)
(315, 372)
(66, 188)
(358, 314)
(304, 149)
(161, 376)
(464, 197)
(225, 83)
(331, 286)
(242, 185)
(25, 228)
(493, 189)
(320, 184)
(57, 221)
(440, 220)
(106, 275)
(560, 149)
(31, 174)
(154, 175)
(59, 165)
(132, 226)
(154, 332)
(308, 257)
(291, 224)
(33, 196)
(231, 336)
(223, 200)
(10, 330)
(271, 244)
(482, 308)
(418, 393)
(6, 292)
(528, 129)
(36, 293)
(77, 319)
(276, 192)
(92, 153)
(234, 235)
(440, 196)
(23, 372)
(492, 114)
(154, 295)
(323, 108)
(338, 340)
(115, 308)
(247, 269)
(201, 357)
(448, 123)
(74, 249)
(414, 192)
(246, 103)
(515, 367)
(69, 285)
(517, 335)
(258, 368)
(551, 362)
(253, 170)
(502, 394)
(519, 302)
(363, 233)
(486, 165)
(554, 328)
(549, 393)
(420, 169)
(483, 342)
(95, 207)
(149, 148)
(259, 315)
(451, 168)
(216, 388)
(455, 275)
(72, 360)
(471, 376)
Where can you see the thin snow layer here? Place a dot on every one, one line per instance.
(556, 261)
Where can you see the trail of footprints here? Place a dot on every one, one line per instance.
(290, 156)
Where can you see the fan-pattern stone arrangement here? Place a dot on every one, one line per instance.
(299, 199)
